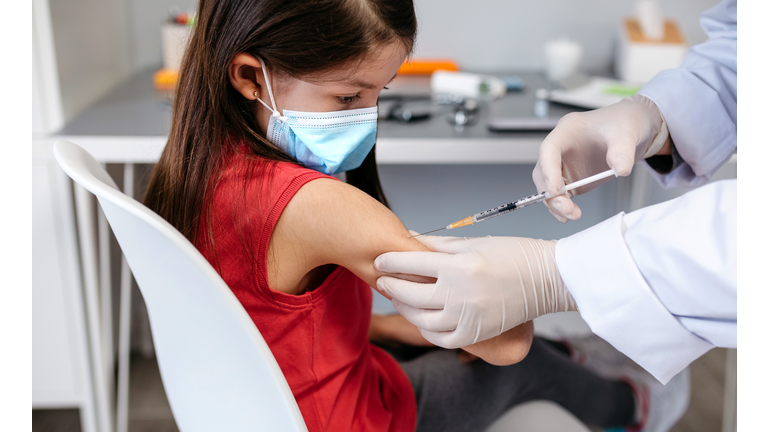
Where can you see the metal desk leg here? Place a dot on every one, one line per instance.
(105, 289)
(729, 408)
(124, 338)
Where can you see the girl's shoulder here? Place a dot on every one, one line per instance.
(262, 179)
(239, 163)
(330, 222)
(308, 219)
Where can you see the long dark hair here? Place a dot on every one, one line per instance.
(295, 38)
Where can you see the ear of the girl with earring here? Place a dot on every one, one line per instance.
(243, 72)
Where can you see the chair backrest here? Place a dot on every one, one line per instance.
(218, 372)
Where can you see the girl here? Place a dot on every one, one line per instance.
(274, 97)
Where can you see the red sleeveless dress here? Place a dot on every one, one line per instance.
(320, 338)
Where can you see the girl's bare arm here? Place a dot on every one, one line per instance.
(330, 222)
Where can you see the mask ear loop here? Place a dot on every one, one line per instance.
(274, 110)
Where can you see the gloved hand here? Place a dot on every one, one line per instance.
(587, 143)
(485, 286)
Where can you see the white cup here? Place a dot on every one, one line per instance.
(562, 58)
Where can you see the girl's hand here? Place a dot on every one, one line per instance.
(394, 330)
(507, 348)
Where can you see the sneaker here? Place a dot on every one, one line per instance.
(597, 355)
(659, 406)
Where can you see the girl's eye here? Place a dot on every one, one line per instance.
(346, 100)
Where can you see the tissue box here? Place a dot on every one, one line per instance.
(639, 59)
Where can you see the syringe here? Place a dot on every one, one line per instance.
(524, 202)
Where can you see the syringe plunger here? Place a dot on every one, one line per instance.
(524, 202)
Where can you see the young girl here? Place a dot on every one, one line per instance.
(275, 97)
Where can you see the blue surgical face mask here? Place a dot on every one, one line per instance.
(329, 142)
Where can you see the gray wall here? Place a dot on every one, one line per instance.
(92, 50)
(488, 35)
(146, 17)
(100, 42)
(480, 35)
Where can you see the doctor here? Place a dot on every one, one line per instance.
(659, 283)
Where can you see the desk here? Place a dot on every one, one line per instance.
(131, 123)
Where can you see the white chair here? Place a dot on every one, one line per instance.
(218, 373)
(537, 416)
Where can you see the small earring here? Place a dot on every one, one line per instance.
(256, 94)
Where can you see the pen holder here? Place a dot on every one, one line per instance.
(175, 40)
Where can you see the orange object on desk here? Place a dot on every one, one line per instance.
(427, 66)
(165, 79)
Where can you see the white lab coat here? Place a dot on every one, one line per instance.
(659, 283)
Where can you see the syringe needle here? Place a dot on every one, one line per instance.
(428, 232)
(523, 202)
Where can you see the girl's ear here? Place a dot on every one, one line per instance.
(245, 75)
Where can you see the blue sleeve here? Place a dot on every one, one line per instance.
(698, 101)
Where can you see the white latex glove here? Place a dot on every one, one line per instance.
(587, 143)
(485, 286)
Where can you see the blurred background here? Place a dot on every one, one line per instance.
(104, 72)
(98, 44)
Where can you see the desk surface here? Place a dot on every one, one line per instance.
(131, 122)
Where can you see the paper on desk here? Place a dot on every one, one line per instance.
(597, 93)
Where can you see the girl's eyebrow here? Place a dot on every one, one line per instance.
(366, 85)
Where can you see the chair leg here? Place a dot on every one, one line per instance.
(124, 350)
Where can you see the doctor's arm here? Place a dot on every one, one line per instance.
(659, 283)
(698, 102)
(688, 113)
